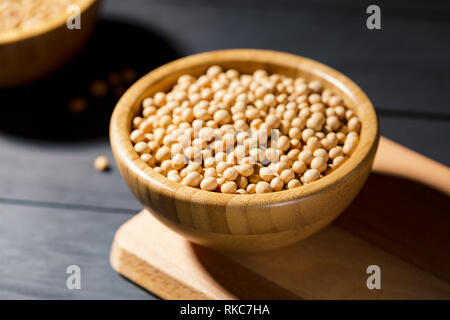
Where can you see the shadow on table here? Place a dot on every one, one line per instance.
(402, 217)
(75, 102)
(405, 218)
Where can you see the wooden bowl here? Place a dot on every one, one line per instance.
(252, 222)
(32, 53)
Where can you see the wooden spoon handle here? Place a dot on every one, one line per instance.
(394, 159)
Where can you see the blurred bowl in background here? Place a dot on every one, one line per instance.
(29, 54)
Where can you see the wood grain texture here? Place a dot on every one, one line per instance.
(412, 76)
(244, 222)
(408, 131)
(38, 244)
(49, 181)
(394, 159)
(29, 54)
(397, 224)
(329, 265)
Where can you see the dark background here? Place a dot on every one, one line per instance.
(56, 210)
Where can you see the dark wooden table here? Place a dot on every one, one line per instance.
(56, 210)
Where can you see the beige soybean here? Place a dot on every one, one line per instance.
(266, 174)
(178, 161)
(228, 187)
(299, 167)
(311, 175)
(335, 152)
(192, 179)
(101, 163)
(338, 161)
(230, 174)
(277, 184)
(141, 147)
(294, 183)
(209, 184)
(251, 188)
(319, 163)
(287, 175)
(242, 182)
(245, 169)
(263, 187)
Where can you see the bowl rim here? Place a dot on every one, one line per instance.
(18, 34)
(120, 128)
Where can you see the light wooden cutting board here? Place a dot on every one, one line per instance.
(399, 222)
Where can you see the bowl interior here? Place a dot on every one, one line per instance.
(245, 61)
